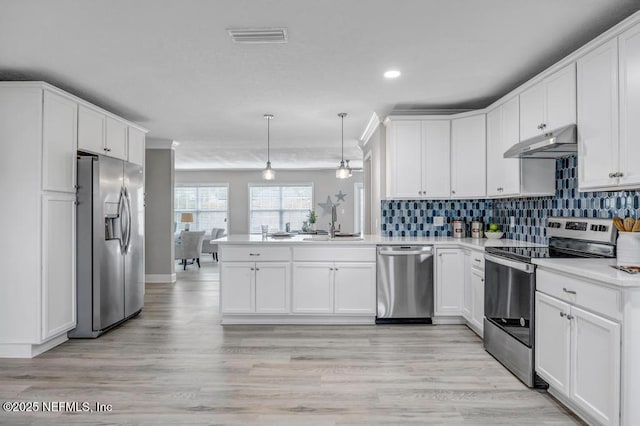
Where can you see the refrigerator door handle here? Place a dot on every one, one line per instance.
(128, 200)
(123, 225)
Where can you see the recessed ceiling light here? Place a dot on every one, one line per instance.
(392, 74)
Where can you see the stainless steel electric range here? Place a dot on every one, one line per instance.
(510, 285)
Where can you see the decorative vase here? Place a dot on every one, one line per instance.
(628, 248)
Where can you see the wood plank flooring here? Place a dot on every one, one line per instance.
(175, 364)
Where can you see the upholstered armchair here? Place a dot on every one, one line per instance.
(212, 248)
(189, 247)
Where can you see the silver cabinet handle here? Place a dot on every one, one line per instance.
(619, 174)
(570, 317)
(254, 254)
(331, 269)
(612, 175)
(568, 291)
(562, 314)
(335, 269)
(453, 192)
(252, 269)
(257, 269)
(477, 260)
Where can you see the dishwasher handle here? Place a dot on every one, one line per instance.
(405, 250)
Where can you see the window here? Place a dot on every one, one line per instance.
(207, 203)
(277, 205)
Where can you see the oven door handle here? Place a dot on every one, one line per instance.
(521, 266)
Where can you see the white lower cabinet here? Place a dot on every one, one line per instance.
(477, 297)
(450, 278)
(255, 287)
(334, 288)
(578, 354)
(473, 290)
(312, 288)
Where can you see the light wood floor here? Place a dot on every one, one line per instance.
(176, 365)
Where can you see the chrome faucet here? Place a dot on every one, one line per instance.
(334, 218)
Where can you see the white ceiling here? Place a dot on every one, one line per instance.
(170, 65)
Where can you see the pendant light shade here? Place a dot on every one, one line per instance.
(268, 173)
(342, 172)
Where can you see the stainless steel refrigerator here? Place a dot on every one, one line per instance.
(110, 244)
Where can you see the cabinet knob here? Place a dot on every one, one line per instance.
(453, 192)
(335, 269)
(612, 175)
(481, 280)
(562, 314)
(257, 269)
(570, 317)
(252, 269)
(619, 174)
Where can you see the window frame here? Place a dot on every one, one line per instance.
(197, 209)
(277, 185)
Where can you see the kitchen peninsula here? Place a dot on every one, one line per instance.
(319, 280)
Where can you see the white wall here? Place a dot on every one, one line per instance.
(324, 184)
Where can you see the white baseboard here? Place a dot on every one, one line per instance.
(448, 320)
(231, 319)
(160, 278)
(28, 350)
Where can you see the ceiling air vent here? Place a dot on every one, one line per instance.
(258, 35)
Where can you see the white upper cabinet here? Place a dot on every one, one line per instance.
(116, 139)
(136, 146)
(468, 157)
(629, 48)
(598, 117)
(91, 130)
(418, 154)
(508, 177)
(59, 143)
(549, 104)
(404, 148)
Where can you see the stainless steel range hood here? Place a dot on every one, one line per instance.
(558, 143)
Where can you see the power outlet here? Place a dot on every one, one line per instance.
(512, 221)
(438, 221)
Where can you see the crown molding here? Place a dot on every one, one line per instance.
(369, 130)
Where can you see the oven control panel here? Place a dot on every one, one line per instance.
(589, 229)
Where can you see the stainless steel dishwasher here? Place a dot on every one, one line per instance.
(405, 284)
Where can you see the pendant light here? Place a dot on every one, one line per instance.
(342, 172)
(268, 173)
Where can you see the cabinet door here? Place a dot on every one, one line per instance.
(116, 139)
(449, 281)
(495, 175)
(630, 106)
(560, 98)
(531, 111)
(58, 264)
(436, 158)
(59, 143)
(467, 296)
(510, 167)
(598, 117)
(237, 287)
(355, 288)
(595, 366)
(136, 146)
(405, 159)
(272, 287)
(312, 290)
(91, 130)
(552, 342)
(468, 165)
(477, 296)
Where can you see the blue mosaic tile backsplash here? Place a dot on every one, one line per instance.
(415, 217)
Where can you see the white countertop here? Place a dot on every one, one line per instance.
(593, 269)
(477, 244)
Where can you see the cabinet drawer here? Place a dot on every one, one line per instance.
(334, 254)
(254, 253)
(599, 299)
(477, 260)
